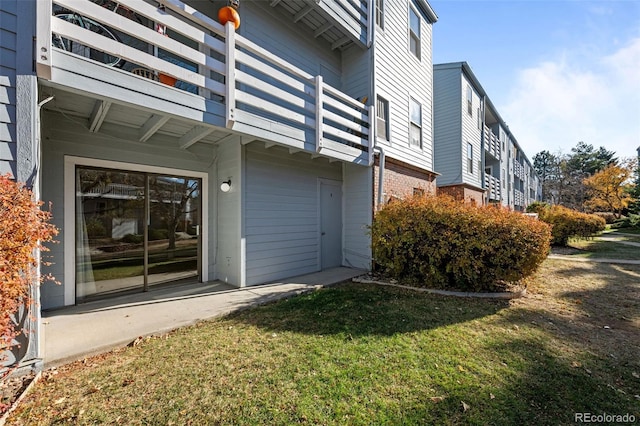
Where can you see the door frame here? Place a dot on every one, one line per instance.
(69, 239)
(333, 182)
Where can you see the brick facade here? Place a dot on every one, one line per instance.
(463, 192)
(402, 180)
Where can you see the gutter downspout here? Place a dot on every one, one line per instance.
(375, 147)
(37, 363)
(379, 199)
(482, 155)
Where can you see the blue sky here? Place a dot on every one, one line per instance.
(558, 72)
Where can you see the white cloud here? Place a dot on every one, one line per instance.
(575, 98)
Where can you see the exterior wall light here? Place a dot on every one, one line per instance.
(225, 186)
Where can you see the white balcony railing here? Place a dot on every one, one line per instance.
(492, 185)
(491, 143)
(263, 94)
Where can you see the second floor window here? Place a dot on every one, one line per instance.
(415, 120)
(414, 33)
(382, 118)
(469, 100)
(380, 13)
(469, 158)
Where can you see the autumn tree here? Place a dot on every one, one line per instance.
(610, 188)
(24, 227)
(563, 175)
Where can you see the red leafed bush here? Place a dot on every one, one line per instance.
(23, 229)
(444, 243)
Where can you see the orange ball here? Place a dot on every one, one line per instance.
(229, 14)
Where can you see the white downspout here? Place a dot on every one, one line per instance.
(379, 199)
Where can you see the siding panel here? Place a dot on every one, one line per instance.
(399, 76)
(447, 119)
(8, 47)
(281, 215)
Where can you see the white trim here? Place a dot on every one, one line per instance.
(70, 163)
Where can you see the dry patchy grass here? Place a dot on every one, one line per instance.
(366, 354)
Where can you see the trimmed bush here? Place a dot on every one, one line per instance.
(133, 238)
(443, 243)
(608, 217)
(566, 223)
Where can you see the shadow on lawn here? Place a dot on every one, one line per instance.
(368, 309)
(542, 366)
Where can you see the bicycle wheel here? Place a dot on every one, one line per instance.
(82, 50)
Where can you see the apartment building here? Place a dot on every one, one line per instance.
(176, 149)
(477, 156)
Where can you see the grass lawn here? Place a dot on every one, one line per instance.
(366, 354)
(599, 247)
(626, 231)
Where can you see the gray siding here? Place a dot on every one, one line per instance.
(448, 125)
(399, 76)
(356, 73)
(471, 134)
(8, 46)
(357, 194)
(264, 26)
(281, 212)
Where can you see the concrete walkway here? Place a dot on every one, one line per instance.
(89, 329)
(593, 259)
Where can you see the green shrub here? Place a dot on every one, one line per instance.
(95, 228)
(443, 243)
(133, 238)
(566, 223)
(536, 206)
(631, 221)
(158, 234)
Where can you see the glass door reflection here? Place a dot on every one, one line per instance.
(135, 230)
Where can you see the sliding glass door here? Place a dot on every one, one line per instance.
(135, 230)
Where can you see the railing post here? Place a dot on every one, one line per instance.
(319, 105)
(43, 38)
(372, 130)
(230, 86)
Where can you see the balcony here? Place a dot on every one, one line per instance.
(340, 22)
(519, 198)
(518, 169)
(492, 185)
(218, 83)
(491, 143)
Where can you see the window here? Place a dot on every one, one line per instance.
(469, 158)
(382, 118)
(380, 13)
(504, 179)
(414, 33)
(469, 100)
(415, 118)
(418, 192)
(479, 120)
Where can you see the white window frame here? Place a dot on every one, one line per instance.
(469, 100)
(415, 124)
(469, 158)
(413, 36)
(379, 13)
(382, 113)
